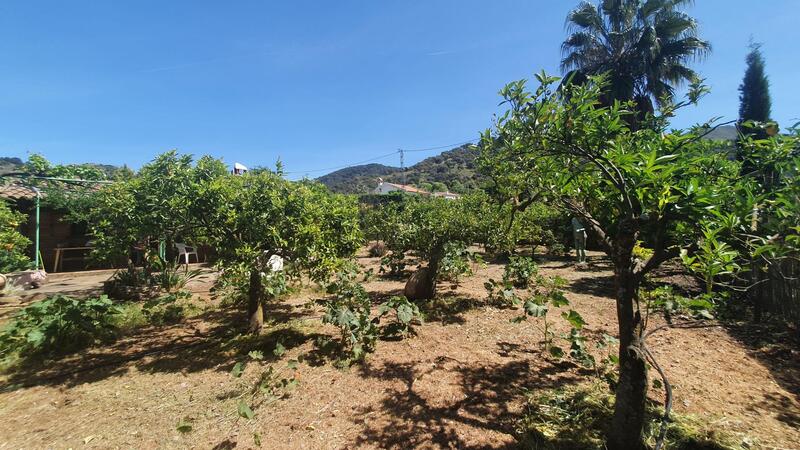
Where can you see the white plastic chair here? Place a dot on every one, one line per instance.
(184, 251)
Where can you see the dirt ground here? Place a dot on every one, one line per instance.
(459, 383)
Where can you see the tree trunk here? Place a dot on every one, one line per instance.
(629, 410)
(255, 308)
(627, 425)
(422, 285)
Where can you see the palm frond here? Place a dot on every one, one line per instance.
(585, 17)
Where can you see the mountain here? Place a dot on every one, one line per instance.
(13, 165)
(8, 165)
(452, 170)
(724, 133)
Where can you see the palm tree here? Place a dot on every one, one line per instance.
(644, 45)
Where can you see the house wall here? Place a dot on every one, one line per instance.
(384, 188)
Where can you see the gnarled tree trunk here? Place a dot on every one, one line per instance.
(255, 307)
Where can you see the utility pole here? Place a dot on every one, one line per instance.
(402, 166)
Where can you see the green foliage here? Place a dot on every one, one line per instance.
(263, 214)
(405, 314)
(577, 418)
(645, 46)
(13, 245)
(139, 283)
(348, 308)
(427, 228)
(456, 262)
(166, 309)
(58, 324)
(712, 260)
(665, 298)
(269, 386)
(163, 201)
(520, 271)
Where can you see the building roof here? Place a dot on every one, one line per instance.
(15, 191)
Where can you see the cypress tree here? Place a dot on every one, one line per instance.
(754, 99)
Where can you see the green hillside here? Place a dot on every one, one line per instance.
(452, 170)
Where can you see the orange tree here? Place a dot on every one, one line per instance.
(564, 146)
(250, 218)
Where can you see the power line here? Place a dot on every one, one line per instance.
(345, 166)
(458, 144)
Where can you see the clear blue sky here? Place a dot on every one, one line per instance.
(319, 84)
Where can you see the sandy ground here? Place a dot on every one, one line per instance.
(459, 383)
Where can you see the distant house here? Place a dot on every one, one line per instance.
(447, 195)
(385, 187)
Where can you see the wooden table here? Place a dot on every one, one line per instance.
(59, 257)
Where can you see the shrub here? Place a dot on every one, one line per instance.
(664, 298)
(405, 313)
(12, 243)
(348, 308)
(520, 271)
(57, 325)
(455, 263)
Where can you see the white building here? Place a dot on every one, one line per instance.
(385, 187)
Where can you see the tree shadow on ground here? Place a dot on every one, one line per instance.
(775, 347)
(596, 285)
(211, 340)
(450, 404)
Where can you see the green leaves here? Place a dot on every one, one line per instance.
(59, 324)
(534, 309)
(244, 410)
(238, 369)
(574, 319)
(184, 425)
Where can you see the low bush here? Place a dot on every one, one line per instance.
(520, 271)
(13, 245)
(456, 262)
(405, 314)
(664, 298)
(348, 308)
(59, 324)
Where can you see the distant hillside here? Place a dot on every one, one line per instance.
(724, 133)
(453, 170)
(9, 164)
(13, 164)
(357, 179)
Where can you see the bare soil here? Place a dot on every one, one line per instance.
(459, 383)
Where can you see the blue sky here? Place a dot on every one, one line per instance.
(319, 84)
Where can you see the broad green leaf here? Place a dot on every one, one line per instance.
(238, 369)
(244, 410)
(575, 319)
